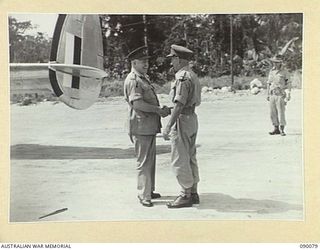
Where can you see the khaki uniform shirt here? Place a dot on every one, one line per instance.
(186, 88)
(278, 79)
(136, 87)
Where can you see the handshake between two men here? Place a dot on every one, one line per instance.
(164, 111)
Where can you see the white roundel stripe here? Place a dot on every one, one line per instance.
(69, 59)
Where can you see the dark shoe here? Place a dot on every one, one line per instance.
(276, 131)
(144, 202)
(180, 201)
(155, 195)
(195, 198)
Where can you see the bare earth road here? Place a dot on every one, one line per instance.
(81, 163)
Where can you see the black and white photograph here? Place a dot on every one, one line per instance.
(156, 117)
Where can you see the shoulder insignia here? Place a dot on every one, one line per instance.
(184, 77)
(132, 76)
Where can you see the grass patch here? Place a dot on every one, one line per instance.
(112, 88)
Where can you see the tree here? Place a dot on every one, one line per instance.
(256, 38)
(27, 48)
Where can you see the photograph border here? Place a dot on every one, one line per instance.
(175, 231)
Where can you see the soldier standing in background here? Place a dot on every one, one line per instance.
(277, 85)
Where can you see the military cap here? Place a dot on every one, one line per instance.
(277, 58)
(180, 51)
(139, 53)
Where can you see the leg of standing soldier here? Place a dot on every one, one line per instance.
(274, 115)
(274, 110)
(195, 171)
(180, 160)
(193, 154)
(144, 149)
(153, 164)
(194, 163)
(281, 106)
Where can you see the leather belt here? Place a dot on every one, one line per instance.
(277, 91)
(188, 110)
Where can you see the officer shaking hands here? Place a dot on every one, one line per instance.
(182, 127)
(144, 122)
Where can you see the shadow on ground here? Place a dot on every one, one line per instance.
(226, 203)
(40, 152)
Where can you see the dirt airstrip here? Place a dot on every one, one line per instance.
(79, 165)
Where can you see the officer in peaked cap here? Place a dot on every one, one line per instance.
(183, 127)
(278, 89)
(181, 52)
(140, 53)
(144, 122)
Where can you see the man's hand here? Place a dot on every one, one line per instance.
(268, 98)
(164, 111)
(167, 109)
(166, 133)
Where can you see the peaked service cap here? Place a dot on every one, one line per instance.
(180, 51)
(139, 53)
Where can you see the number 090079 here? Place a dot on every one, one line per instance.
(308, 245)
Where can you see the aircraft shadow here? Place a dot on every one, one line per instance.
(41, 152)
(226, 203)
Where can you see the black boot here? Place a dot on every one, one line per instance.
(145, 202)
(155, 195)
(282, 130)
(276, 131)
(180, 201)
(195, 198)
